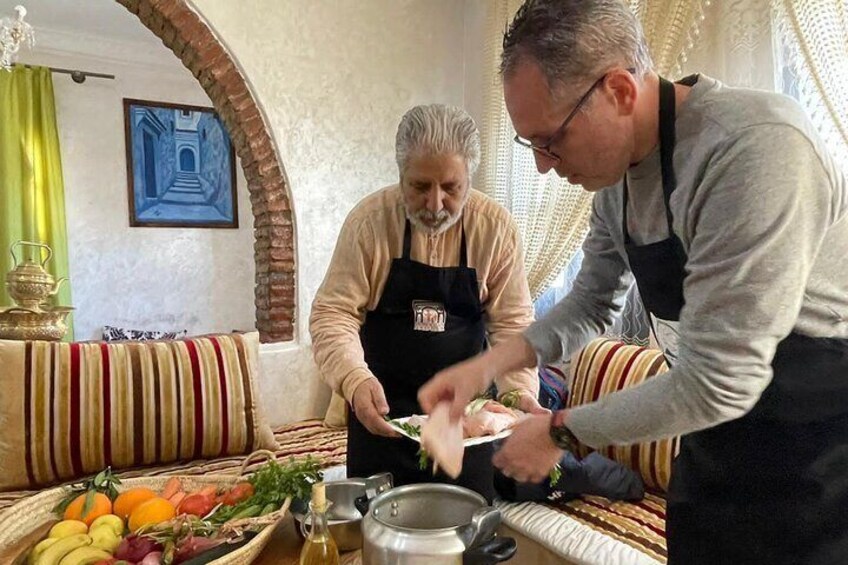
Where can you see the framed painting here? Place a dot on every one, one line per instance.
(180, 166)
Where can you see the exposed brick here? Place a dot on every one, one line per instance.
(131, 5)
(186, 22)
(282, 254)
(166, 8)
(285, 301)
(269, 169)
(281, 265)
(281, 277)
(278, 205)
(169, 34)
(155, 22)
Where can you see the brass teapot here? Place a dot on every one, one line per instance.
(28, 283)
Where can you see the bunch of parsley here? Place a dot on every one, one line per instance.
(272, 484)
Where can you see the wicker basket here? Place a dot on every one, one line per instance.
(26, 516)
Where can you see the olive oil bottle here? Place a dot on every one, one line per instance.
(319, 547)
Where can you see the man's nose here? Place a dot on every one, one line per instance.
(544, 163)
(435, 200)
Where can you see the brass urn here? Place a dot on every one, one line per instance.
(31, 286)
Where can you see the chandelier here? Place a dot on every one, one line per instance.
(14, 32)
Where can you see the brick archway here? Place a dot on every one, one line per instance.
(194, 43)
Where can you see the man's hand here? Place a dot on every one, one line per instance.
(460, 383)
(457, 385)
(529, 454)
(369, 406)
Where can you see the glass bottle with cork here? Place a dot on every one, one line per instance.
(319, 547)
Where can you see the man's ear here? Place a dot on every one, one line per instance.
(622, 87)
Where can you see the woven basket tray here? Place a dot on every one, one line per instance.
(28, 515)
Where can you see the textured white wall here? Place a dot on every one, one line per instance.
(147, 278)
(334, 78)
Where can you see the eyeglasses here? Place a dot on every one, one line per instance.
(545, 148)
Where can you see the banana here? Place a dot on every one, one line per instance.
(54, 554)
(67, 528)
(85, 556)
(39, 549)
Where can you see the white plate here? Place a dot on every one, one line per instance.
(468, 442)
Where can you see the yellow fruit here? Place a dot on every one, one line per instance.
(100, 505)
(153, 511)
(39, 549)
(130, 499)
(67, 528)
(85, 556)
(54, 554)
(104, 538)
(114, 522)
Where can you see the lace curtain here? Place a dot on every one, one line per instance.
(551, 214)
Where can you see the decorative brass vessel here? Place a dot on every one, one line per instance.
(28, 283)
(30, 287)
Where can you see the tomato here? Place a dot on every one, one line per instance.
(197, 505)
(240, 492)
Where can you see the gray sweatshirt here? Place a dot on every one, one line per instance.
(762, 211)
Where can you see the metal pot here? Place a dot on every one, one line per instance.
(427, 524)
(348, 502)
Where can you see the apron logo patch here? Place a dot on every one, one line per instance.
(429, 316)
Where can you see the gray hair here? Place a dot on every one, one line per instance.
(575, 41)
(435, 129)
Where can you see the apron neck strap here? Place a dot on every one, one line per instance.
(407, 243)
(667, 141)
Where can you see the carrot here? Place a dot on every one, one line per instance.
(172, 487)
(209, 491)
(176, 498)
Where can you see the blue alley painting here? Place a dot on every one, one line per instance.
(182, 167)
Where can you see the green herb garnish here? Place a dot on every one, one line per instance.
(273, 483)
(414, 431)
(555, 474)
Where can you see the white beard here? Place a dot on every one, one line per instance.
(434, 223)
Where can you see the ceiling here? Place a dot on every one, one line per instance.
(103, 18)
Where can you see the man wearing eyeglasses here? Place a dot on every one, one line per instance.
(728, 211)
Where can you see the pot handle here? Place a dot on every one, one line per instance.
(496, 550)
(375, 485)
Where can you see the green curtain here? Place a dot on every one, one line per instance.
(32, 192)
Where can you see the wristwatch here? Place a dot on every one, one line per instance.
(562, 437)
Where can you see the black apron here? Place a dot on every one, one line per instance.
(770, 487)
(428, 319)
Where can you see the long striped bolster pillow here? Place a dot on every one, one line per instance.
(70, 409)
(605, 366)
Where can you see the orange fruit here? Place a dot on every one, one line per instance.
(101, 506)
(130, 499)
(153, 511)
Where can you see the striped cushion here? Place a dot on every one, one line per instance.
(295, 440)
(605, 366)
(640, 525)
(71, 409)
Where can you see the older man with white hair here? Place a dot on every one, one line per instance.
(424, 274)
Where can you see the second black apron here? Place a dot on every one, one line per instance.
(428, 319)
(770, 487)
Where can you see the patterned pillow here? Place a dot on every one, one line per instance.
(112, 333)
(70, 409)
(605, 366)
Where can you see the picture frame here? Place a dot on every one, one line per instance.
(180, 166)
